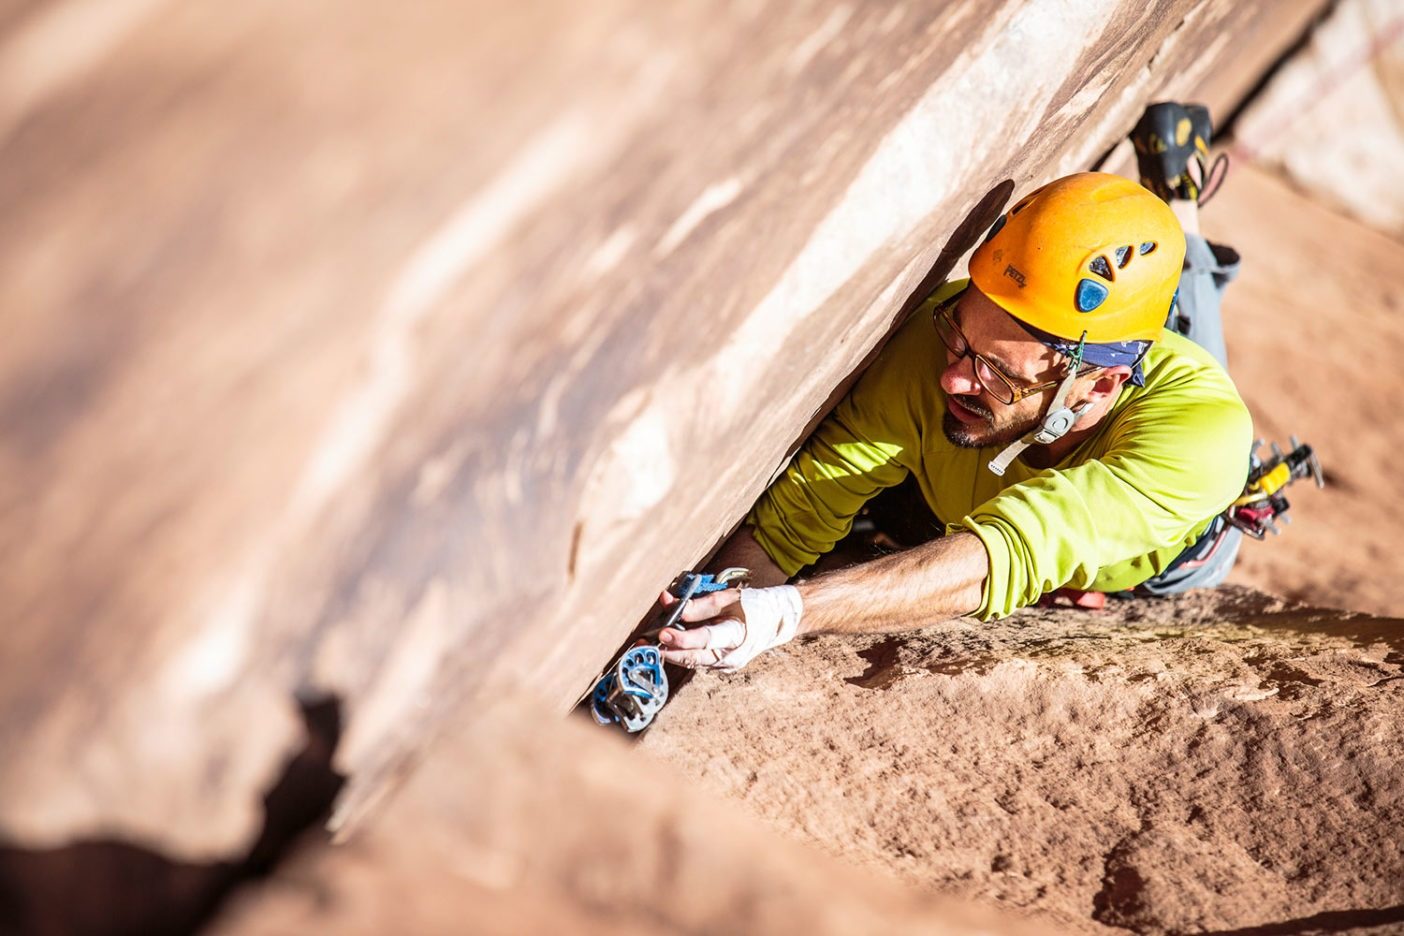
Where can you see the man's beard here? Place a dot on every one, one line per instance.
(990, 431)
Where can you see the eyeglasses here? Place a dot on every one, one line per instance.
(996, 382)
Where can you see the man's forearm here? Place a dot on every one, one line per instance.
(743, 550)
(911, 589)
(942, 579)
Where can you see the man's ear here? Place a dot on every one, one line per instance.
(1106, 382)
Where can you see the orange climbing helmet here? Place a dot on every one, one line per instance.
(1090, 253)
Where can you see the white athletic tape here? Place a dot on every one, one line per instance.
(772, 618)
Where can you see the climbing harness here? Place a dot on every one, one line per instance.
(1256, 512)
(634, 689)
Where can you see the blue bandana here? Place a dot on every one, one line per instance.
(1110, 354)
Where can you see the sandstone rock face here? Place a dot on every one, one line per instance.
(1314, 336)
(526, 824)
(1333, 117)
(359, 352)
(1214, 762)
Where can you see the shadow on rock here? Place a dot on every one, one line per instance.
(1332, 921)
(114, 887)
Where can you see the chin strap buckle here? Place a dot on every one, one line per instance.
(1056, 423)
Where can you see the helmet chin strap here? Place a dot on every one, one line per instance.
(1056, 423)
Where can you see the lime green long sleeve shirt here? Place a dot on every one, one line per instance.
(1116, 511)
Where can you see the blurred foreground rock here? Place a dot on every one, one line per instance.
(1219, 761)
(364, 352)
(525, 824)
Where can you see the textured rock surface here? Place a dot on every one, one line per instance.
(362, 351)
(1218, 761)
(1315, 334)
(525, 824)
(1333, 117)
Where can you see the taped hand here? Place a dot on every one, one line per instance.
(744, 622)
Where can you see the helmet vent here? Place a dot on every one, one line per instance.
(1090, 294)
(1147, 247)
(1123, 257)
(1102, 268)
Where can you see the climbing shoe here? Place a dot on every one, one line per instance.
(1166, 138)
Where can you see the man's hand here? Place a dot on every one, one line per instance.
(743, 622)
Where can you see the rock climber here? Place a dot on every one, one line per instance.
(1065, 413)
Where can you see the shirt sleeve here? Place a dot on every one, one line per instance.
(871, 441)
(1155, 488)
(811, 506)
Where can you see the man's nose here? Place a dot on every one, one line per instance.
(958, 379)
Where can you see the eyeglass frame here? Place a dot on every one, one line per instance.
(1016, 387)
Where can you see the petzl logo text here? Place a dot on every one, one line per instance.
(1015, 275)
